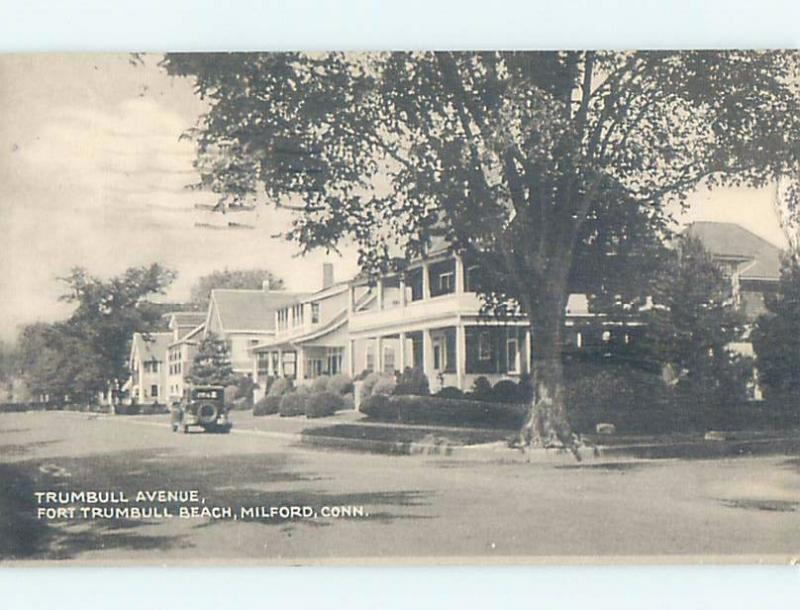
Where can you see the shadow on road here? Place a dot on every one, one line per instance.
(256, 479)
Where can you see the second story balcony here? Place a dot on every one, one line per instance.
(428, 291)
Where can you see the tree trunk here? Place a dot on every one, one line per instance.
(547, 423)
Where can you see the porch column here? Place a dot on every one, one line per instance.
(379, 354)
(402, 359)
(280, 372)
(427, 354)
(351, 358)
(528, 360)
(461, 355)
(299, 364)
(426, 282)
(459, 275)
(402, 291)
(255, 366)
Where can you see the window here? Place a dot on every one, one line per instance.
(369, 357)
(335, 358)
(315, 313)
(606, 336)
(154, 391)
(297, 315)
(253, 341)
(512, 355)
(440, 353)
(484, 346)
(442, 277)
(313, 367)
(388, 359)
(262, 360)
(446, 282)
(578, 340)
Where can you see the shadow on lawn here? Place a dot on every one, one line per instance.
(258, 479)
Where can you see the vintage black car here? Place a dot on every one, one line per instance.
(202, 406)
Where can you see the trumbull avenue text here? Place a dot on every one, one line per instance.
(168, 504)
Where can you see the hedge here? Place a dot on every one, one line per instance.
(442, 411)
(293, 405)
(268, 405)
(323, 404)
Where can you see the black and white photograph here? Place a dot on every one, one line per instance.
(400, 307)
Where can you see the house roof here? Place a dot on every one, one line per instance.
(187, 318)
(726, 239)
(249, 309)
(153, 346)
(191, 336)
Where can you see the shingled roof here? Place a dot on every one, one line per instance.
(187, 318)
(249, 309)
(729, 240)
(152, 346)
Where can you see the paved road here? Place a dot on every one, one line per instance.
(423, 507)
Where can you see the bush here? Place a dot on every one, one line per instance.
(412, 382)
(525, 388)
(449, 392)
(293, 404)
(340, 384)
(631, 399)
(320, 384)
(433, 410)
(323, 404)
(281, 386)
(505, 390)
(384, 385)
(368, 383)
(268, 405)
(482, 389)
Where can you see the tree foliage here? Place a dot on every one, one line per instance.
(691, 326)
(252, 279)
(79, 357)
(212, 363)
(776, 336)
(523, 161)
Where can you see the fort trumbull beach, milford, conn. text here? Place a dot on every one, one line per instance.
(167, 504)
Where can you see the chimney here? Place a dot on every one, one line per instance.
(266, 286)
(327, 275)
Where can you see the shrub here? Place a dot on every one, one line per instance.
(525, 388)
(449, 392)
(412, 382)
(320, 384)
(505, 390)
(482, 389)
(340, 384)
(368, 383)
(323, 404)
(433, 410)
(384, 385)
(348, 402)
(281, 386)
(632, 399)
(268, 405)
(293, 404)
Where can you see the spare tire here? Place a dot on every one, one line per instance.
(207, 413)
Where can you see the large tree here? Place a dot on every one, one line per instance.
(691, 326)
(511, 156)
(82, 355)
(776, 336)
(232, 278)
(212, 363)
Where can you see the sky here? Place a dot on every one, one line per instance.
(93, 174)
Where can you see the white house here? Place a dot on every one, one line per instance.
(147, 363)
(310, 338)
(187, 330)
(243, 319)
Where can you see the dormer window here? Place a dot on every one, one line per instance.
(315, 313)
